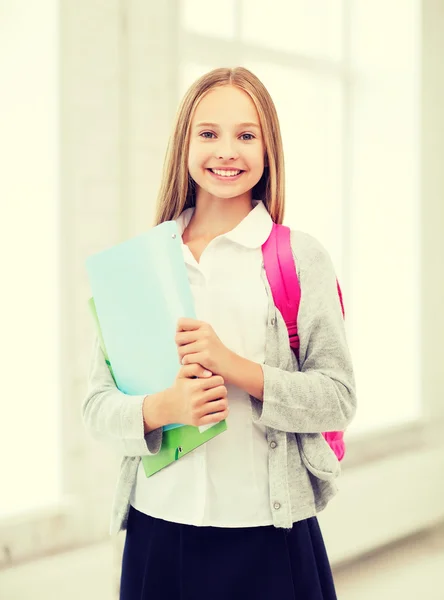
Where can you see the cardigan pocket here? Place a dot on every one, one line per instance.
(317, 456)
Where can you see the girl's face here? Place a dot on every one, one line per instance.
(226, 136)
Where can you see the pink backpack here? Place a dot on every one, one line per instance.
(281, 273)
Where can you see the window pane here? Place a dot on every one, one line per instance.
(310, 114)
(385, 254)
(385, 325)
(208, 18)
(301, 26)
(384, 35)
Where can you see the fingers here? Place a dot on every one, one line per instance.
(187, 324)
(185, 337)
(193, 370)
(209, 383)
(214, 418)
(214, 407)
(214, 393)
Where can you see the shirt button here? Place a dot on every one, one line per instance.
(273, 445)
(276, 506)
(273, 321)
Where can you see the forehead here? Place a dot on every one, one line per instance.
(226, 104)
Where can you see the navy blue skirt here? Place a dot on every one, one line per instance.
(171, 561)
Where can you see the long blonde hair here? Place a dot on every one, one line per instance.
(177, 191)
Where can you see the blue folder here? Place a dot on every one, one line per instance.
(140, 289)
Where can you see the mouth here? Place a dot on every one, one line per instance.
(225, 175)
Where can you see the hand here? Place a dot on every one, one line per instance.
(197, 342)
(198, 401)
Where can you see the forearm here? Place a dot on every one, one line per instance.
(311, 402)
(303, 402)
(113, 416)
(245, 374)
(154, 411)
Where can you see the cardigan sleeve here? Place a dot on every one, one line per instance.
(320, 396)
(111, 415)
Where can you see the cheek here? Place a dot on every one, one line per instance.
(254, 155)
(257, 164)
(197, 157)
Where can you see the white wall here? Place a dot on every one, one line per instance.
(29, 247)
(112, 143)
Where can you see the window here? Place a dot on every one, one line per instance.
(347, 100)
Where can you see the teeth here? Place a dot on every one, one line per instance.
(225, 173)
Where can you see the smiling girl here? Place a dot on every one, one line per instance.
(236, 518)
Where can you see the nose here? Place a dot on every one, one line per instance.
(225, 151)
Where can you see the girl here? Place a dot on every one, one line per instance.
(235, 518)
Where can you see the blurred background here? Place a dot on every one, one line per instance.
(88, 94)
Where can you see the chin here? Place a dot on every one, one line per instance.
(228, 194)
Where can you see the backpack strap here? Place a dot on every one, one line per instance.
(281, 273)
(280, 268)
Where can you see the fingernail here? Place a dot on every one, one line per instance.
(207, 373)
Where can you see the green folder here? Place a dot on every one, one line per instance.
(175, 442)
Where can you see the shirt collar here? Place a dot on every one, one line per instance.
(251, 232)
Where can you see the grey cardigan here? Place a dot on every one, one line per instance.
(299, 402)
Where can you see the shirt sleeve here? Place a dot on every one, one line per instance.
(111, 415)
(321, 396)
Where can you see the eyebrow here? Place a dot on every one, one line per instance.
(215, 125)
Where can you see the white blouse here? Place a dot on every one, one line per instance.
(224, 482)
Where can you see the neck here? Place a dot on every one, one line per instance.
(216, 216)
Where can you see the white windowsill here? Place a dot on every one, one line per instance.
(368, 486)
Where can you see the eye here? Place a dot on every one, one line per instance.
(206, 135)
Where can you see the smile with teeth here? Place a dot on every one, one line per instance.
(225, 173)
